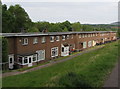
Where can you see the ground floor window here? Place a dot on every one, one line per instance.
(34, 57)
(54, 52)
(84, 44)
(25, 60)
(41, 55)
(89, 43)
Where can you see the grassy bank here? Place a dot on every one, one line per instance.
(90, 70)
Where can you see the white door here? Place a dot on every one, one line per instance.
(30, 58)
(11, 61)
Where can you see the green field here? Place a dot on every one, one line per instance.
(87, 70)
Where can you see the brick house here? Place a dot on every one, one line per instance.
(28, 49)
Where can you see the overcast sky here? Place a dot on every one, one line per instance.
(85, 12)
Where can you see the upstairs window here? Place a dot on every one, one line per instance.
(57, 38)
(63, 37)
(67, 36)
(80, 36)
(35, 40)
(24, 41)
(85, 35)
(71, 36)
(51, 38)
(43, 40)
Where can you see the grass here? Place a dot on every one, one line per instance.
(87, 70)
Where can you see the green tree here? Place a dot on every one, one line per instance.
(65, 30)
(22, 20)
(55, 28)
(76, 26)
(66, 24)
(42, 26)
(7, 20)
(4, 50)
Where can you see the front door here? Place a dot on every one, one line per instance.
(11, 61)
(30, 61)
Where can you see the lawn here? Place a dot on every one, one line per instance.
(87, 70)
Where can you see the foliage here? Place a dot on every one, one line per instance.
(4, 50)
(15, 19)
(76, 26)
(90, 68)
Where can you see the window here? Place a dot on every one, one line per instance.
(80, 36)
(96, 34)
(67, 36)
(41, 55)
(62, 49)
(85, 35)
(20, 60)
(88, 35)
(35, 40)
(25, 60)
(93, 34)
(34, 57)
(10, 60)
(51, 38)
(63, 37)
(84, 44)
(43, 39)
(54, 52)
(71, 36)
(25, 41)
(89, 44)
(57, 38)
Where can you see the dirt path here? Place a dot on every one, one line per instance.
(112, 80)
(49, 64)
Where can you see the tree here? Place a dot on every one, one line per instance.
(66, 24)
(76, 26)
(65, 30)
(55, 28)
(42, 26)
(7, 20)
(22, 20)
(4, 50)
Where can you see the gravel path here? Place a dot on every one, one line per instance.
(49, 64)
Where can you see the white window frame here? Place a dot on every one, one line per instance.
(79, 35)
(25, 41)
(85, 44)
(56, 50)
(89, 43)
(71, 36)
(34, 55)
(68, 36)
(63, 37)
(57, 38)
(43, 40)
(43, 57)
(51, 38)
(35, 40)
(24, 59)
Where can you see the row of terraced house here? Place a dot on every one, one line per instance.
(28, 49)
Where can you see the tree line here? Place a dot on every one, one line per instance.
(15, 19)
